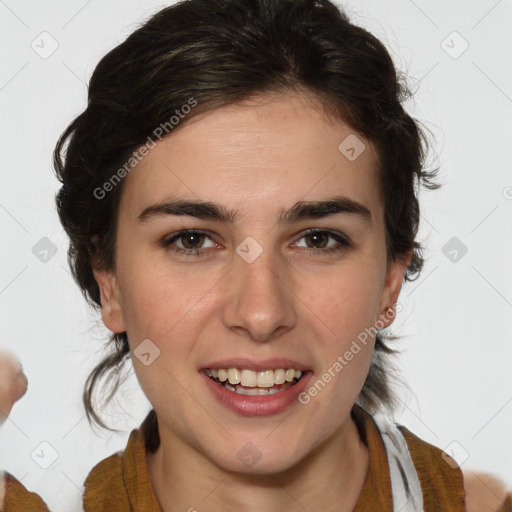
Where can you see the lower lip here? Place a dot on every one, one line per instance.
(259, 405)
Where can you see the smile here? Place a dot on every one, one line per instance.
(252, 383)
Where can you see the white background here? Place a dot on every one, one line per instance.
(457, 317)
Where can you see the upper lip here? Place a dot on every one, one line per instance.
(256, 366)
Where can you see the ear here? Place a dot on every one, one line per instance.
(111, 310)
(110, 298)
(394, 278)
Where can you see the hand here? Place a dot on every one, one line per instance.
(13, 385)
(484, 492)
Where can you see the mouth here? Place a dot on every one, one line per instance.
(255, 383)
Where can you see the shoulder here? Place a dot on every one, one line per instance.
(440, 477)
(104, 488)
(122, 479)
(115, 482)
(18, 499)
(105, 471)
(443, 477)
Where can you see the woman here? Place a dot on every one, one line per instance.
(241, 200)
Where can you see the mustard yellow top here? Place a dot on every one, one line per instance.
(121, 482)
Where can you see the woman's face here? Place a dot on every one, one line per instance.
(261, 294)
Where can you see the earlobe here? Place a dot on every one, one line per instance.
(111, 311)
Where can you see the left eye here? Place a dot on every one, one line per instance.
(317, 235)
(192, 238)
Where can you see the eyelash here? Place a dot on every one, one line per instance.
(341, 239)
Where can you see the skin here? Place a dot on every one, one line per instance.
(258, 158)
(13, 385)
(314, 453)
(484, 492)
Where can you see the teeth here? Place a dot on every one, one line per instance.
(250, 379)
(290, 374)
(279, 376)
(265, 379)
(242, 391)
(234, 376)
(256, 391)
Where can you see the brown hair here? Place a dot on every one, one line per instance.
(219, 52)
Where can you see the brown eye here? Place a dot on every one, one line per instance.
(318, 237)
(191, 242)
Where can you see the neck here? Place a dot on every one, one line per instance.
(329, 478)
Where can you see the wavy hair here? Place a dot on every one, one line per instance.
(220, 52)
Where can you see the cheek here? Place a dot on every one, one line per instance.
(146, 311)
(157, 299)
(345, 300)
(344, 313)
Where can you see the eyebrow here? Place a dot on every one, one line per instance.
(301, 210)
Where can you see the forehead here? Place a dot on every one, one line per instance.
(271, 151)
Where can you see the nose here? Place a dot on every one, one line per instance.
(260, 303)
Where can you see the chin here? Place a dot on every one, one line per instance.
(260, 457)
